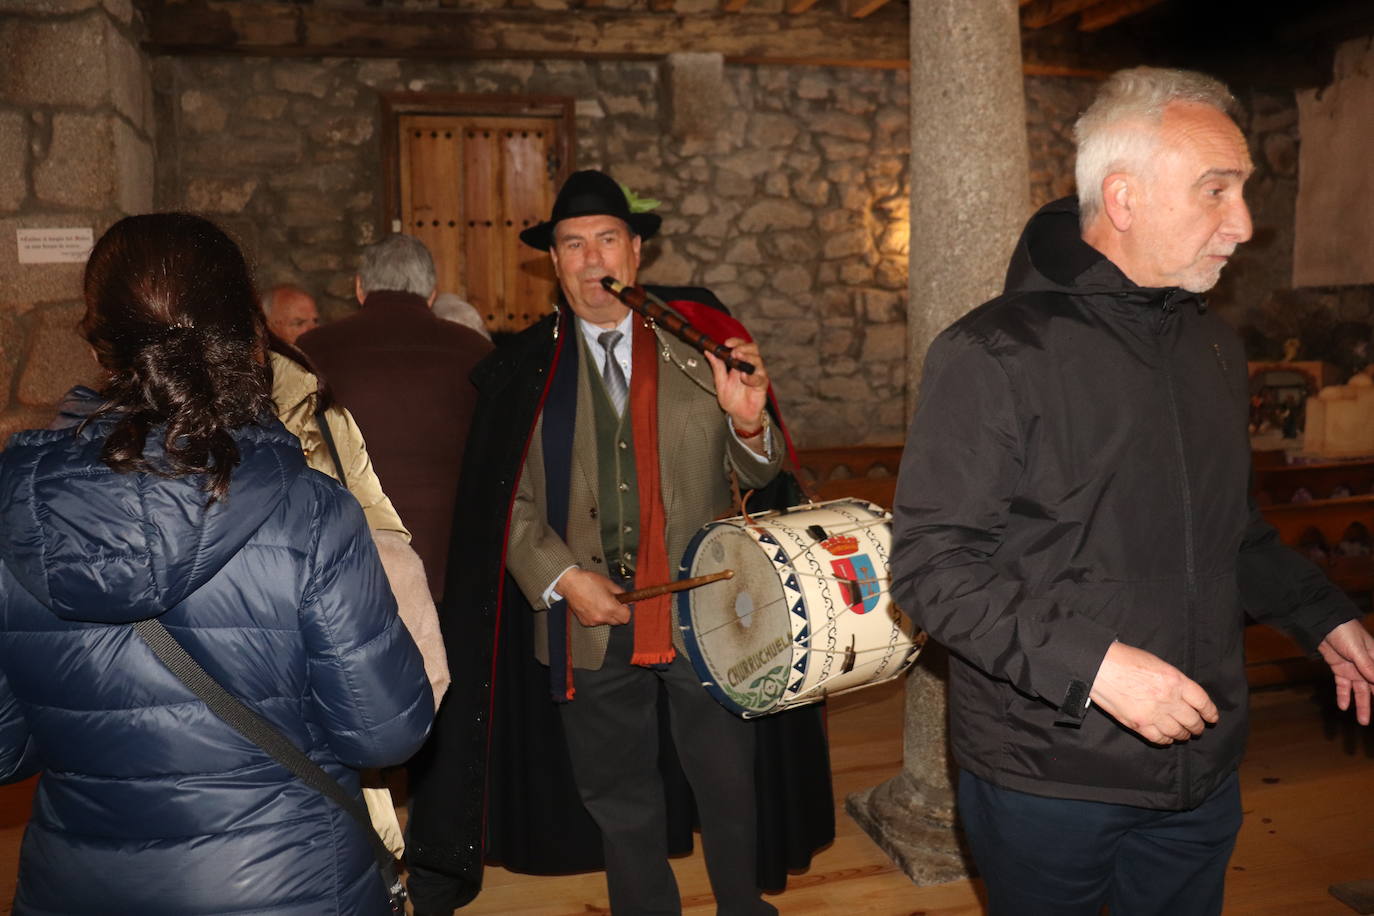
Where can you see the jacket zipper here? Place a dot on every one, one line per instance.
(1190, 575)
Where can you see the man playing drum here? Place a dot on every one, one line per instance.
(629, 438)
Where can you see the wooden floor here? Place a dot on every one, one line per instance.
(1307, 784)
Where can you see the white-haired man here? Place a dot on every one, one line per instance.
(1073, 523)
(403, 373)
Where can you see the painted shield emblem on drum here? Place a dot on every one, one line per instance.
(858, 582)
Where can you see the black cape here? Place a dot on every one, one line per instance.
(498, 738)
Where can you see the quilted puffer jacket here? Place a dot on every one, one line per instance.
(148, 803)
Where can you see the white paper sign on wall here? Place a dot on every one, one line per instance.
(55, 246)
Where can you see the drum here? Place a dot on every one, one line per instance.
(807, 613)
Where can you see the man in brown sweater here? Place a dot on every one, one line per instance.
(403, 373)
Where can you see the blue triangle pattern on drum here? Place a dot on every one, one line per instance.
(780, 558)
(796, 686)
(765, 538)
(804, 635)
(799, 610)
(800, 667)
(792, 584)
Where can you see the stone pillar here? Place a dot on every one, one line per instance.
(969, 198)
(75, 152)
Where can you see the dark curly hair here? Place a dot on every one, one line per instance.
(173, 319)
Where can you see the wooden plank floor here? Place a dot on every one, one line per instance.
(1307, 785)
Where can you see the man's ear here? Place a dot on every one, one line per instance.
(1118, 199)
(358, 288)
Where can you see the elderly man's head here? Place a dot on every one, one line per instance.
(398, 263)
(290, 311)
(593, 232)
(1161, 169)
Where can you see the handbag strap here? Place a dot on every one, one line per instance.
(328, 436)
(257, 730)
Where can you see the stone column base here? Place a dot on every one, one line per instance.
(916, 832)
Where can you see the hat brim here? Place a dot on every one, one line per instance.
(644, 225)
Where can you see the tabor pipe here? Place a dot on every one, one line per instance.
(667, 588)
(650, 306)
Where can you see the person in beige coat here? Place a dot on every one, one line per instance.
(295, 390)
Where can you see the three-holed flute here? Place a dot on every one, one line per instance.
(652, 307)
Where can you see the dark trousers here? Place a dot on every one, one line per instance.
(1057, 857)
(612, 732)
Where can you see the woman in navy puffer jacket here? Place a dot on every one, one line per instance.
(179, 496)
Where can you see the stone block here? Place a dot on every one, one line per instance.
(842, 124)
(720, 273)
(219, 195)
(52, 62)
(855, 272)
(329, 178)
(791, 247)
(696, 93)
(667, 264)
(884, 343)
(58, 357)
(14, 160)
(302, 77)
(751, 163)
(202, 112)
(588, 108)
(775, 214)
(815, 86)
(744, 251)
(695, 204)
(836, 342)
(264, 107)
(767, 129)
(776, 184)
(24, 284)
(77, 172)
(345, 130)
(379, 73)
(129, 76)
(714, 226)
(134, 174)
(837, 150)
(792, 280)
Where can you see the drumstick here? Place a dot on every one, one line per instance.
(681, 585)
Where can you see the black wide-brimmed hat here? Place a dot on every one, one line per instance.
(590, 193)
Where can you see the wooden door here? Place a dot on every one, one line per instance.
(468, 185)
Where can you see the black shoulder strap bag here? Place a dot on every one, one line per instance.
(256, 729)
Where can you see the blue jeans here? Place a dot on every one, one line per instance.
(1058, 857)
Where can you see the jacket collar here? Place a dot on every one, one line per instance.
(396, 300)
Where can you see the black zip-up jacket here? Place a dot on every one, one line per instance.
(1077, 473)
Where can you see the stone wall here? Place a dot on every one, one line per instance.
(76, 150)
(793, 209)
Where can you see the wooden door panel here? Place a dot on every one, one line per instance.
(468, 185)
(528, 273)
(481, 240)
(433, 205)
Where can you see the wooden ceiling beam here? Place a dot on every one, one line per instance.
(1110, 12)
(797, 7)
(1040, 13)
(858, 9)
(733, 6)
(276, 29)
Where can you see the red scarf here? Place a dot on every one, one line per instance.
(652, 616)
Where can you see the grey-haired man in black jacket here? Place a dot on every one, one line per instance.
(1073, 523)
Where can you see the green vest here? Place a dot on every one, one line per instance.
(617, 480)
